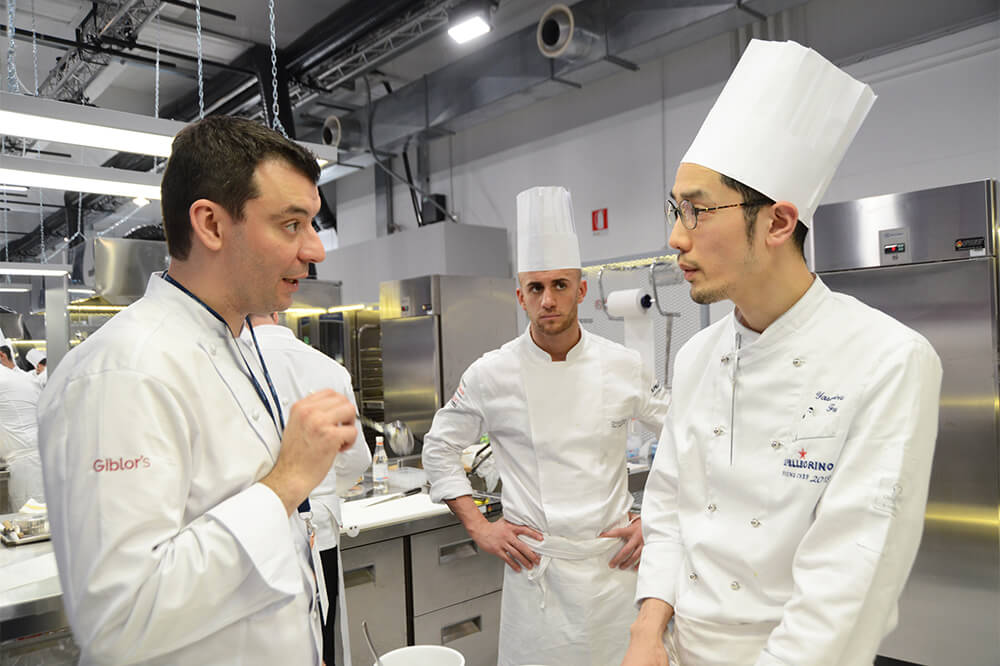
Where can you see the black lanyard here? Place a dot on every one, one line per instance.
(279, 423)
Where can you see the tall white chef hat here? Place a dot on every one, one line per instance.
(783, 123)
(546, 235)
(34, 356)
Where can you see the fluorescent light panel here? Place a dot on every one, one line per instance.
(38, 270)
(63, 122)
(469, 29)
(32, 172)
(14, 288)
(13, 188)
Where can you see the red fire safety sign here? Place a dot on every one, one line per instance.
(599, 221)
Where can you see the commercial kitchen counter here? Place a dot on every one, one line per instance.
(437, 574)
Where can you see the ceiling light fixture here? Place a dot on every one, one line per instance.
(13, 188)
(32, 172)
(33, 269)
(14, 288)
(470, 20)
(63, 122)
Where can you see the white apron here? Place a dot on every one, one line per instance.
(25, 477)
(572, 609)
(692, 642)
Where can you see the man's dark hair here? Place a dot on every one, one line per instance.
(4, 349)
(750, 212)
(215, 159)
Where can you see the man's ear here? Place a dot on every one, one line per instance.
(583, 291)
(784, 218)
(520, 299)
(207, 221)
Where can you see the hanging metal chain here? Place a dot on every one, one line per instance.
(34, 47)
(11, 47)
(156, 84)
(275, 120)
(38, 152)
(41, 228)
(201, 77)
(6, 230)
(79, 217)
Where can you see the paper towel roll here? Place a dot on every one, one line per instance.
(628, 303)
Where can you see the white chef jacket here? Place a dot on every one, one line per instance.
(169, 552)
(785, 505)
(558, 432)
(19, 436)
(18, 404)
(298, 370)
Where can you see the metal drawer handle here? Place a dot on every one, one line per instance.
(360, 576)
(457, 551)
(461, 629)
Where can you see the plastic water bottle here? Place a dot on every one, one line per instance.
(633, 443)
(380, 468)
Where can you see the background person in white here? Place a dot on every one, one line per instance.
(19, 435)
(785, 504)
(298, 370)
(36, 357)
(172, 493)
(556, 402)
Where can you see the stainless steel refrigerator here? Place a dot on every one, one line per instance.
(433, 328)
(929, 259)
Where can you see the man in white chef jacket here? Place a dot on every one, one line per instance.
(556, 403)
(36, 357)
(298, 370)
(785, 505)
(7, 356)
(19, 436)
(172, 486)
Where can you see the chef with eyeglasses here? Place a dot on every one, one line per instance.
(785, 505)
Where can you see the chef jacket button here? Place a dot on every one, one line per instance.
(797, 362)
(725, 359)
(255, 414)
(718, 430)
(775, 444)
(754, 522)
(735, 585)
(712, 507)
(693, 577)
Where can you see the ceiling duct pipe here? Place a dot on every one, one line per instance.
(346, 133)
(561, 35)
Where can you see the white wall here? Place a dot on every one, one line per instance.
(615, 143)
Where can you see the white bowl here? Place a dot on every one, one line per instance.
(423, 655)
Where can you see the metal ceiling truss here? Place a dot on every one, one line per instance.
(402, 34)
(77, 68)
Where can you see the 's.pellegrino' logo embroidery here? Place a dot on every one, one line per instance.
(800, 467)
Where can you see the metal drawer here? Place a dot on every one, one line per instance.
(374, 583)
(449, 568)
(471, 627)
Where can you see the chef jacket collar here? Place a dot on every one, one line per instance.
(537, 353)
(792, 320)
(267, 331)
(204, 320)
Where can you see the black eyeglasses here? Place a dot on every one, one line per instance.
(688, 213)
